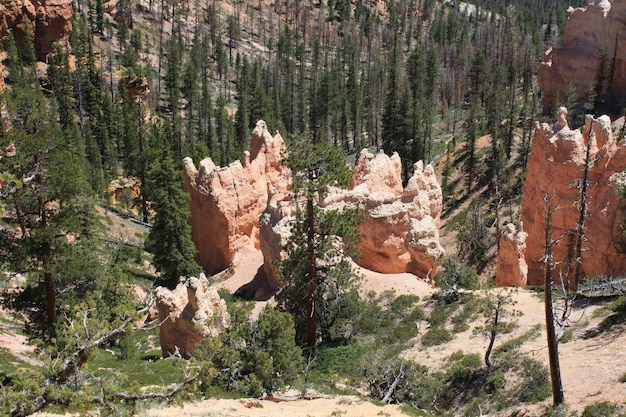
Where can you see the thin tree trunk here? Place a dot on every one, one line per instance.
(553, 347)
(43, 220)
(311, 279)
(493, 333)
(21, 218)
(580, 227)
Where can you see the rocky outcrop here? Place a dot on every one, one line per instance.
(556, 165)
(400, 230)
(47, 20)
(400, 227)
(511, 268)
(591, 32)
(226, 203)
(120, 186)
(188, 313)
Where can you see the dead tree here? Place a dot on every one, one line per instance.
(583, 186)
(549, 263)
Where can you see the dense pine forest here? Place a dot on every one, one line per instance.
(141, 84)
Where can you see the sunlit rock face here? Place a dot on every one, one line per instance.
(187, 314)
(226, 203)
(555, 170)
(399, 231)
(592, 33)
(48, 21)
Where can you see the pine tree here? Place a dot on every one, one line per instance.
(52, 205)
(318, 283)
(170, 236)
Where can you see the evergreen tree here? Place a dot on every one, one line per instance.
(52, 206)
(170, 236)
(318, 283)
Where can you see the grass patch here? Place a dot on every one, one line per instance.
(9, 363)
(144, 370)
(513, 344)
(616, 311)
(414, 412)
(601, 409)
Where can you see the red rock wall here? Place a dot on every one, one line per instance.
(226, 203)
(556, 162)
(48, 20)
(588, 31)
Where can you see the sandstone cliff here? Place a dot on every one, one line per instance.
(47, 20)
(556, 165)
(247, 205)
(590, 31)
(226, 203)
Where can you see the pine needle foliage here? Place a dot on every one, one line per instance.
(318, 282)
(169, 239)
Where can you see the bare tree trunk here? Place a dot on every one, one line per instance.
(580, 226)
(493, 333)
(553, 347)
(311, 278)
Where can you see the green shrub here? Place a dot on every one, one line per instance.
(622, 378)
(455, 274)
(601, 409)
(436, 336)
(441, 313)
(462, 366)
(343, 360)
(535, 383)
(404, 302)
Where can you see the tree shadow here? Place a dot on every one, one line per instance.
(259, 289)
(613, 323)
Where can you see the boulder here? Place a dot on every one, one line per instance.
(591, 31)
(226, 203)
(188, 313)
(48, 21)
(556, 165)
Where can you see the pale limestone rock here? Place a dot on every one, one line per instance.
(511, 267)
(188, 313)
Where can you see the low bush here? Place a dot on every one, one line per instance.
(535, 384)
(601, 409)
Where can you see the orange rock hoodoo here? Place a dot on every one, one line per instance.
(248, 205)
(226, 203)
(591, 32)
(556, 165)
